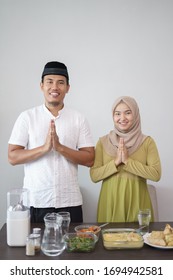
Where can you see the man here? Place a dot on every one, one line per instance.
(51, 140)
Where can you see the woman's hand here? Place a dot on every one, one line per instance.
(122, 153)
(118, 159)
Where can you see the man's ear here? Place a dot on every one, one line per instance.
(41, 85)
(68, 88)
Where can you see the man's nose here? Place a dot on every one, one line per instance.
(55, 86)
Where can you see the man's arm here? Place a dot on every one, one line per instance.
(18, 154)
(84, 156)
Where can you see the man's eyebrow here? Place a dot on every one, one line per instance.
(51, 79)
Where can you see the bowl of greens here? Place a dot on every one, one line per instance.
(80, 242)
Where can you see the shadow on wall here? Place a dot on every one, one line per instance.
(90, 203)
(153, 196)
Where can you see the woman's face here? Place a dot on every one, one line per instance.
(123, 117)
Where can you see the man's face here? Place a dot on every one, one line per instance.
(54, 88)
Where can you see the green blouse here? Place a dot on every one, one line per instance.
(124, 188)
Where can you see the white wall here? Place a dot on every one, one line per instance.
(111, 48)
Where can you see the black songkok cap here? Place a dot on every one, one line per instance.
(55, 68)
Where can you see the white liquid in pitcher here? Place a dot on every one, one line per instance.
(18, 228)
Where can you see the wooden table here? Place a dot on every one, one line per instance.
(145, 253)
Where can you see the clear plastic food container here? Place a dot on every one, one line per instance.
(80, 242)
(121, 238)
(88, 228)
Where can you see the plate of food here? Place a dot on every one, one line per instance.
(161, 239)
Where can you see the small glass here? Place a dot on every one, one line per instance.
(144, 217)
(65, 222)
(30, 245)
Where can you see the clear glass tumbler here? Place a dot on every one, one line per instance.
(144, 217)
(65, 221)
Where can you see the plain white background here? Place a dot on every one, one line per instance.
(111, 48)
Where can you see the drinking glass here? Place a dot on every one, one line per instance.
(144, 217)
(65, 221)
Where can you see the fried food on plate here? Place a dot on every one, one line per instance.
(168, 229)
(157, 241)
(162, 238)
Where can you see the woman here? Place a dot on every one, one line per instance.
(124, 160)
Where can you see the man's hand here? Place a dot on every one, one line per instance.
(83, 156)
(54, 137)
(49, 143)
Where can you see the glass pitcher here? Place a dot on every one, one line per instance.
(52, 242)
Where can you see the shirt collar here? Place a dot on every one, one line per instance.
(52, 116)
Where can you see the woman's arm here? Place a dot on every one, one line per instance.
(147, 162)
(101, 170)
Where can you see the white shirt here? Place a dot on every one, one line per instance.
(52, 180)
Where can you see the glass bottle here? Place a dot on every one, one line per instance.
(37, 241)
(30, 245)
(52, 242)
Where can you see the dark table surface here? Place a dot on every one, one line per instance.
(145, 253)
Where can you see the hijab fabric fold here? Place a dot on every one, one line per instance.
(133, 138)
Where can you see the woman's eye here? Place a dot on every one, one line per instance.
(128, 112)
